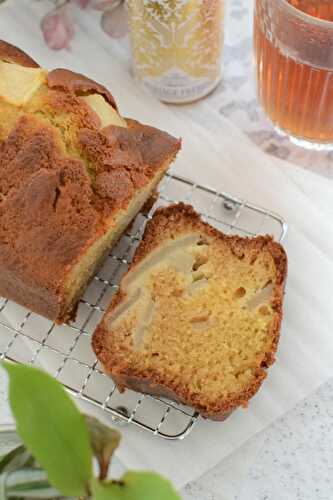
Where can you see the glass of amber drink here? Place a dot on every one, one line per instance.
(293, 42)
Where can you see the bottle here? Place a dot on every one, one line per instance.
(177, 46)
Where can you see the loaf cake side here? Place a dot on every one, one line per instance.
(197, 317)
(73, 174)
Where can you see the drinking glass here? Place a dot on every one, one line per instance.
(293, 42)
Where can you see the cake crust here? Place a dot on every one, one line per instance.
(78, 84)
(172, 221)
(67, 184)
(10, 53)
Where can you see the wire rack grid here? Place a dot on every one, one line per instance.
(65, 350)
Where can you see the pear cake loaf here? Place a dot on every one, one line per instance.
(73, 174)
(197, 316)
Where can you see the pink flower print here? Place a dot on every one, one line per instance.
(57, 28)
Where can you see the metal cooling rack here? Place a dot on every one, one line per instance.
(65, 350)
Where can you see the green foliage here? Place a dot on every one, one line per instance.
(135, 486)
(56, 457)
(20, 476)
(52, 428)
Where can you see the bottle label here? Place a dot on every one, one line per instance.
(177, 46)
(177, 88)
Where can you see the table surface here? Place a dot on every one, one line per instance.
(293, 458)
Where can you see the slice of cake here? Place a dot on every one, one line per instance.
(73, 174)
(197, 317)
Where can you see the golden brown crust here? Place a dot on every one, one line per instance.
(12, 54)
(50, 211)
(167, 223)
(78, 84)
(62, 184)
(46, 216)
(149, 142)
(145, 386)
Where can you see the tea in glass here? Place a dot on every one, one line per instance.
(294, 63)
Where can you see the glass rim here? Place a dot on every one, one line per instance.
(306, 17)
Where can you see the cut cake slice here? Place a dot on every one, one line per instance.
(197, 317)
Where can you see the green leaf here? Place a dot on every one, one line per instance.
(51, 427)
(104, 442)
(135, 486)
